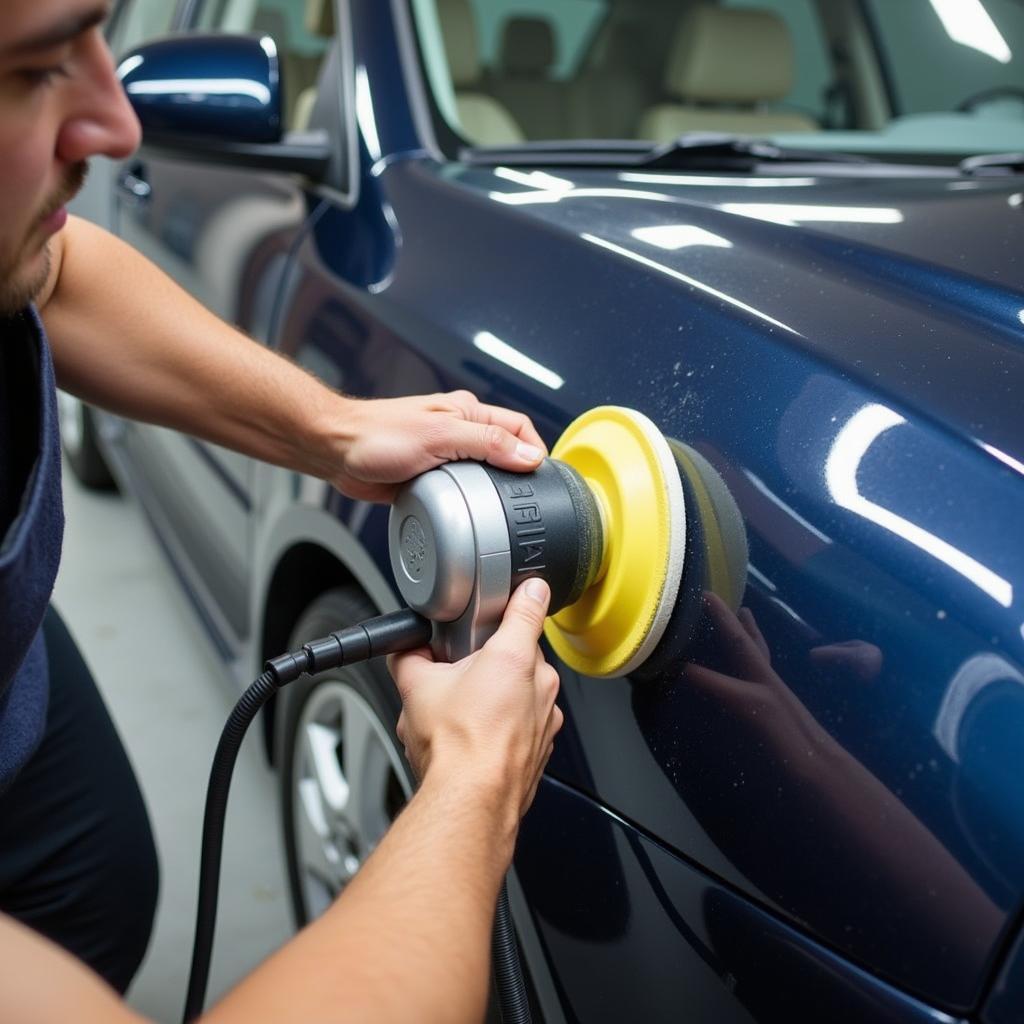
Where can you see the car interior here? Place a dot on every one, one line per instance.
(630, 69)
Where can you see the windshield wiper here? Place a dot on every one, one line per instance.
(993, 164)
(714, 150)
(698, 151)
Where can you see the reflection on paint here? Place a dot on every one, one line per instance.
(679, 236)
(128, 65)
(844, 459)
(715, 181)
(364, 114)
(199, 87)
(505, 353)
(533, 179)
(791, 214)
(779, 503)
(968, 681)
(1004, 458)
(686, 279)
(556, 195)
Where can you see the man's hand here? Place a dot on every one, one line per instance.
(388, 441)
(490, 718)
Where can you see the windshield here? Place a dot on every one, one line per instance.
(918, 78)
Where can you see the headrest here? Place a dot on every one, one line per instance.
(320, 18)
(527, 46)
(730, 54)
(460, 43)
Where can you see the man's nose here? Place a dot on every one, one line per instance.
(101, 121)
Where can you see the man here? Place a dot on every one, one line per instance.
(76, 860)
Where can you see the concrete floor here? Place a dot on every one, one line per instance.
(169, 696)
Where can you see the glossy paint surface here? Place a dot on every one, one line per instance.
(839, 754)
(227, 87)
(1004, 1005)
(821, 343)
(610, 904)
(819, 798)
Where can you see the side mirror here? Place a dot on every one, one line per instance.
(217, 98)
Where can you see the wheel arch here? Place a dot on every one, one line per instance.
(307, 553)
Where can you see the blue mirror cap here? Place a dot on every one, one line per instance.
(222, 86)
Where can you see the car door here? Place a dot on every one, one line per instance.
(223, 234)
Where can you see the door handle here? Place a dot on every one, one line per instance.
(134, 186)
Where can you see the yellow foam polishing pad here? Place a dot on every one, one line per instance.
(627, 463)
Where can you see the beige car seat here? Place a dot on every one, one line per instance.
(725, 64)
(319, 22)
(483, 120)
(608, 97)
(523, 81)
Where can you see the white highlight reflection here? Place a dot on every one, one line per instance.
(505, 353)
(970, 679)
(715, 181)
(534, 179)
(848, 449)
(791, 214)
(679, 236)
(1004, 458)
(202, 87)
(364, 114)
(128, 65)
(967, 22)
(556, 195)
(686, 279)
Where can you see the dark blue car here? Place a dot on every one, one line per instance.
(793, 236)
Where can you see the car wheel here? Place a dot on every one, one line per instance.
(78, 439)
(342, 772)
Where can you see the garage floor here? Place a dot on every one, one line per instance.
(169, 697)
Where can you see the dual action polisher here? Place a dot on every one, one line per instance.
(627, 526)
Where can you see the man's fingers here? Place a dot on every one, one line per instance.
(514, 422)
(524, 619)
(405, 665)
(489, 442)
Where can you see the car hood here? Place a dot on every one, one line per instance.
(912, 283)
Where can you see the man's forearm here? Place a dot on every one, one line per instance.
(127, 338)
(410, 937)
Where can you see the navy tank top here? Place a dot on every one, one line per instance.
(31, 532)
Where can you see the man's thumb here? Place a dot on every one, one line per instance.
(526, 609)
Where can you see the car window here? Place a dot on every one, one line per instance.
(812, 70)
(302, 31)
(977, 45)
(850, 75)
(571, 23)
(140, 21)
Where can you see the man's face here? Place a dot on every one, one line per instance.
(60, 104)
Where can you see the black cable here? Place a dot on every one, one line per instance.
(513, 1003)
(213, 834)
(386, 634)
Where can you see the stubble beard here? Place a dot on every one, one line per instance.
(16, 293)
(18, 285)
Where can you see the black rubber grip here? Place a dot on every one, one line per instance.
(554, 528)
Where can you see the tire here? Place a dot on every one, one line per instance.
(78, 435)
(333, 811)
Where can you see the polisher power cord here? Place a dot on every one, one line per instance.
(387, 634)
